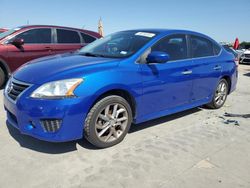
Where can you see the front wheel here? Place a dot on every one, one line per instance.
(108, 121)
(220, 95)
(2, 78)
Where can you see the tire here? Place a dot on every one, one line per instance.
(2, 78)
(108, 121)
(219, 97)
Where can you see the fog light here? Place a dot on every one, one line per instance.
(51, 125)
(29, 126)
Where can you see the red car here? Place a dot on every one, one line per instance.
(22, 44)
(2, 30)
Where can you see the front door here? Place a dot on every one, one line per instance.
(167, 86)
(37, 43)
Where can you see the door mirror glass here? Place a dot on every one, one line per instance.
(17, 42)
(157, 57)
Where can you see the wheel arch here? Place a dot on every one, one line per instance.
(127, 95)
(5, 67)
(6, 70)
(228, 79)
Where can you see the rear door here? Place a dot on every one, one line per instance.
(168, 85)
(66, 41)
(37, 43)
(206, 67)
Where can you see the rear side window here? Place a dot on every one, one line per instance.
(67, 36)
(201, 47)
(36, 36)
(217, 49)
(87, 38)
(175, 46)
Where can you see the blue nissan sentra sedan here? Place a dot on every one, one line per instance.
(129, 76)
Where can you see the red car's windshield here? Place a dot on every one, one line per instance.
(9, 32)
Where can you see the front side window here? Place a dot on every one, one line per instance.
(118, 45)
(67, 37)
(175, 46)
(36, 36)
(201, 47)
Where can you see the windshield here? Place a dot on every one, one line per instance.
(118, 45)
(9, 32)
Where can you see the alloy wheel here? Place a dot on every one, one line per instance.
(111, 122)
(221, 93)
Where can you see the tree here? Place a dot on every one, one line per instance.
(245, 45)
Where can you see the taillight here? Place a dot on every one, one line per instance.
(236, 61)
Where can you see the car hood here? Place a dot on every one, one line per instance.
(61, 67)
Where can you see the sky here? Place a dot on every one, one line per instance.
(223, 20)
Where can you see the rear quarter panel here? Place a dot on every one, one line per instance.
(229, 69)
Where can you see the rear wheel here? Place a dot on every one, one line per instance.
(108, 121)
(220, 95)
(2, 78)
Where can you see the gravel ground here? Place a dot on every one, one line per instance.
(195, 148)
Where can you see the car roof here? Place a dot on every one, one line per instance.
(62, 27)
(159, 30)
(169, 31)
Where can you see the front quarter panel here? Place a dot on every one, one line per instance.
(126, 77)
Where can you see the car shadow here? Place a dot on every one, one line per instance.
(64, 147)
(29, 142)
(247, 74)
(159, 121)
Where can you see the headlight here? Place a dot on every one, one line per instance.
(57, 89)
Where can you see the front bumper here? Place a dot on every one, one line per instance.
(26, 114)
(245, 59)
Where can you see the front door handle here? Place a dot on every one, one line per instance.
(186, 72)
(217, 67)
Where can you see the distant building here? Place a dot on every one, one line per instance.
(100, 27)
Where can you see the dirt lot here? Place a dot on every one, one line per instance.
(195, 148)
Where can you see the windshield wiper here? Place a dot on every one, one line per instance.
(92, 55)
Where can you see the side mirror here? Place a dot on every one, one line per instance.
(17, 42)
(157, 57)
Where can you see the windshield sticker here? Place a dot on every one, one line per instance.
(123, 52)
(145, 34)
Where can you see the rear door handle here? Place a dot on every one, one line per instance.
(48, 48)
(217, 67)
(186, 72)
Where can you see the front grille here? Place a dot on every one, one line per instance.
(51, 125)
(15, 88)
(247, 55)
